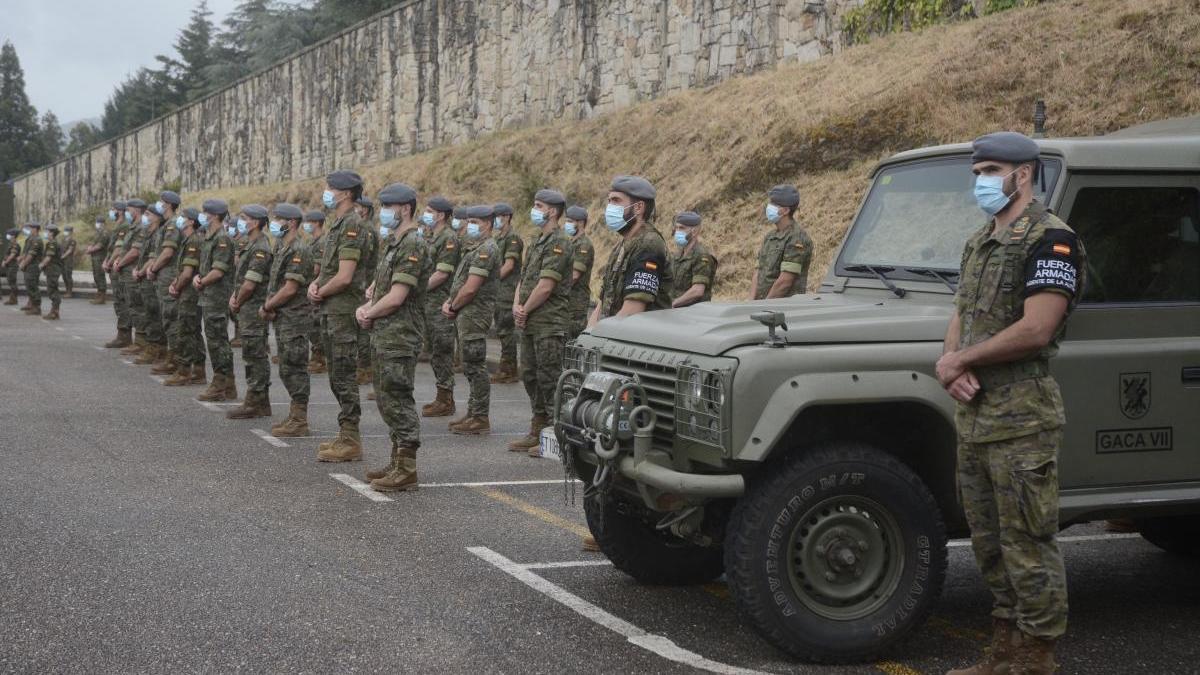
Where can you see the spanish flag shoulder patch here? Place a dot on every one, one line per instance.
(1062, 249)
(651, 265)
(297, 260)
(413, 258)
(352, 234)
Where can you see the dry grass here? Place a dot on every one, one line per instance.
(1100, 65)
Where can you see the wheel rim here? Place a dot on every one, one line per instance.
(845, 557)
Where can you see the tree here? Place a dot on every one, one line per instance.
(20, 145)
(81, 137)
(185, 76)
(50, 139)
(134, 102)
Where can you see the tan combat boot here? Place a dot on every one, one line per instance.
(442, 406)
(166, 364)
(473, 426)
(533, 438)
(589, 544)
(295, 425)
(997, 659)
(316, 363)
(215, 391)
(52, 315)
(30, 310)
(121, 340)
(374, 474)
(506, 373)
(198, 375)
(458, 422)
(182, 376)
(99, 298)
(139, 343)
(403, 477)
(256, 404)
(148, 356)
(12, 298)
(230, 390)
(1033, 656)
(347, 447)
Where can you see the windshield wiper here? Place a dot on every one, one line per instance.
(940, 276)
(881, 274)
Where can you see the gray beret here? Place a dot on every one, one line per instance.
(784, 195)
(288, 211)
(365, 201)
(170, 197)
(634, 186)
(120, 206)
(190, 213)
(343, 180)
(52, 227)
(217, 207)
(136, 203)
(315, 216)
(255, 211)
(69, 228)
(154, 212)
(577, 213)
(440, 204)
(14, 232)
(1004, 146)
(460, 212)
(482, 212)
(397, 193)
(501, 209)
(551, 197)
(688, 218)
(34, 223)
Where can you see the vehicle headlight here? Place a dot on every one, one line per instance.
(582, 359)
(694, 387)
(700, 412)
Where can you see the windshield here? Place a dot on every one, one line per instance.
(919, 216)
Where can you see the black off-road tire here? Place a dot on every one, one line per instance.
(1179, 535)
(841, 509)
(648, 555)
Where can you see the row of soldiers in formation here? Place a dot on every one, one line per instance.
(363, 300)
(42, 252)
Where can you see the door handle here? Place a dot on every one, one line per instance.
(1191, 376)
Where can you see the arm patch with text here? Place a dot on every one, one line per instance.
(644, 274)
(1054, 264)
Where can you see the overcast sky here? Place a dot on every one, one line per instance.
(75, 51)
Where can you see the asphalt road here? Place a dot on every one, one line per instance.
(143, 532)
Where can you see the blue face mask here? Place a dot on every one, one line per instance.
(145, 220)
(203, 220)
(569, 228)
(129, 217)
(473, 230)
(681, 237)
(384, 231)
(45, 235)
(276, 228)
(327, 199)
(989, 193)
(614, 217)
(242, 226)
(308, 227)
(455, 224)
(388, 218)
(112, 215)
(420, 233)
(537, 217)
(26, 231)
(772, 213)
(180, 222)
(496, 223)
(158, 206)
(427, 218)
(230, 230)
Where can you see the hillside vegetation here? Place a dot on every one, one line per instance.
(1100, 65)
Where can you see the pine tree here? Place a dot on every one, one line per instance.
(50, 137)
(81, 137)
(185, 76)
(19, 141)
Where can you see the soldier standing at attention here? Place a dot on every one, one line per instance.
(394, 314)
(366, 213)
(96, 250)
(51, 267)
(575, 226)
(131, 247)
(510, 248)
(314, 227)
(1020, 278)
(694, 267)
(291, 272)
(249, 293)
(120, 215)
(638, 276)
(70, 248)
(239, 245)
(161, 270)
(444, 249)
(541, 313)
(9, 265)
(786, 251)
(212, 282)
(472, 305)
(156, 339)
(30, 264)
(189, 344)
(339, 291)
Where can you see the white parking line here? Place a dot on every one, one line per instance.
(269, 438)
(567, 564)
(360, 487)
(208, 405)
(76, 337)
(59, 329)
(515, 435)
(497, 483)
(1062, 540)
(656, 644)
(158, 378)
(99, 348)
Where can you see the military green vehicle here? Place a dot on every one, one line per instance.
(804, 448)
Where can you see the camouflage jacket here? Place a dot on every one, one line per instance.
(52, 255)
(638, 269)
(481, 258)
(404, 260)
(691, 267)
(292, 262)
(509, 247)
(445, 250)
(581, 290)
(189, 256)
(34, 248)
(216, 253)
(345, 239)
(169, 239)
(549, 257)
(786, 251)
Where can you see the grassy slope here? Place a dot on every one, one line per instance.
(1100, 65)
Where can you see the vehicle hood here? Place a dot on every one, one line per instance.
(713, 328)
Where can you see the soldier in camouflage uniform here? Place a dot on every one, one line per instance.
(575, 226)
(339, 290)
(239, 245)
(70, 249)
(97, 250)
(694, 267)
(472, 306)
(395, 315)
(30, 264)
(116, 243)
(189, 345)
(156, 338)
(51, 266)
(541, 313)
(511, 252)
(445, 251)
(638, 275)
(8, 268)
(786, 251)
(131, 247)
(250, 285)
(292, 270)
(314, 227)
(213, 282)
(1021, 276)
(160, 271)
(366, 213)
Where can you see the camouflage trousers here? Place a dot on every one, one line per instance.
(189, 346)
(121, 303)
(394, 373)
(256, 354)
(316, 342)
(1009, 490)
(53, 274)
(506, 331)
(216, 333)
(133, 299)
(68, 276)
(339, 332)
(365, 355)
(441, 335)
(291, 342)
(32, 286)
(98, 275)
(541, 364)
(169, 310)
(474, 355)
(11, 275)
(153, 312)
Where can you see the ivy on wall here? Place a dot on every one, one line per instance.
(880, 17)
